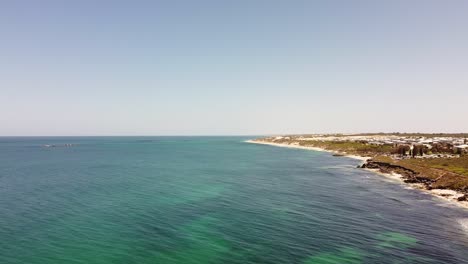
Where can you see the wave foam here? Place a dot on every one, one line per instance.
(464, 224)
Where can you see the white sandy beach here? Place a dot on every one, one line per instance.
(308, 148)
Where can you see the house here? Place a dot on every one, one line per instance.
(461, 149)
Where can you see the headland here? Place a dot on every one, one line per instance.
(434, 163)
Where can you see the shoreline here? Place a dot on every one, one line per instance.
(445, 195)
(309, 148)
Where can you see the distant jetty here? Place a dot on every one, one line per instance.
(57, 145)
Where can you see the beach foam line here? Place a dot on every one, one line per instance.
(464, 224)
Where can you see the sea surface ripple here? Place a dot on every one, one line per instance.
(210, 200)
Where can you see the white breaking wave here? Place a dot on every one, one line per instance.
(464, 224)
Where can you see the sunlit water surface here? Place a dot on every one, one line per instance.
(210, 200)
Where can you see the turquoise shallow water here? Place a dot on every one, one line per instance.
(210, 200)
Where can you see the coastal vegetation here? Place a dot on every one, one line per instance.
(358, 148)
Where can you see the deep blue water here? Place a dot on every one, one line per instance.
(210, 200)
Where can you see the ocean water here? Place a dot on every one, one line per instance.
(210, 200)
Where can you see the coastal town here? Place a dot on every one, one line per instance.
(414, 146)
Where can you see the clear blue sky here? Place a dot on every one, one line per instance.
(232, 67)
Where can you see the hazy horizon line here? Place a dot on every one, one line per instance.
(238, 135)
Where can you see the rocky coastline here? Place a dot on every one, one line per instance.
(413, 178)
